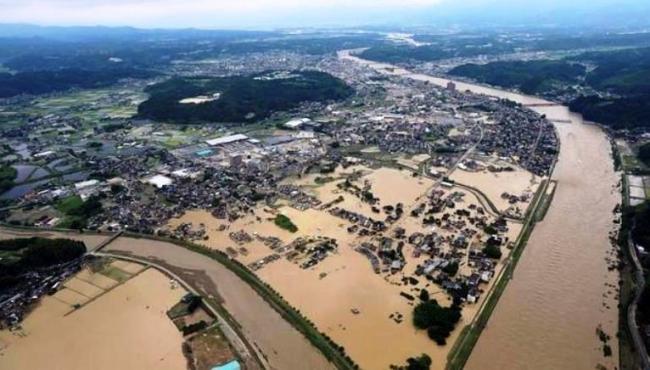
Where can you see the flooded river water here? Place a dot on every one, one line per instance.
(562, 290)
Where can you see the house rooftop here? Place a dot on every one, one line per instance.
(232, 365)
(159, 181)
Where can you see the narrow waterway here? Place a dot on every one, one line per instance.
(562, 290)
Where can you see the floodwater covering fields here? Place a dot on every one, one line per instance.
(118, 325)
(342, 295)
(282, 345)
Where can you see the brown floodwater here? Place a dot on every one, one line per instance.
(329, 292)
(283, 346)
(562, 289)
(124, 328)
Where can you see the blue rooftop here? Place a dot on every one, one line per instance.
(204, 153)
(232, 365)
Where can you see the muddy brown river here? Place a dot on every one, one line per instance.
(562, 290)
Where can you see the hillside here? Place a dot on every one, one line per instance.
(531, 77)
(624, 77)
(618, 113)
(239, 98)
(43, 82)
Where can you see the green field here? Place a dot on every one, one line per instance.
(631, 162)
(89, 106)
(70, 204)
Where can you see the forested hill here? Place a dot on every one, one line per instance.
(531, 77)
(43, 82)
(618, 86)
(239, 99)
(625, 74)
(617, 113)
(622, 71)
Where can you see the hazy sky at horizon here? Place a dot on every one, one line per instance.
(275, 13)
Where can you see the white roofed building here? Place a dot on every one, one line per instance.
(85, 184)
(296, 123)
(226, 139)
(159, 181)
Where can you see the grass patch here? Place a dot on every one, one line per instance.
(544, 204)
(209, 348)
(115, 273)
(184, 307)
(70, 204)
(628, 357)
(321, 180)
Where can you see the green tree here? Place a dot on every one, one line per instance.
(7, 176)
(492, 251)
(423, 362)
(285, 222)
(451, 269)
(644, 154)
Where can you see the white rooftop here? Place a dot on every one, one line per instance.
(85, 184)
(297, 122)
(46, 153)
(305, 135)
(226, 139)
(184, 173)
(115, 181)
(159, 181)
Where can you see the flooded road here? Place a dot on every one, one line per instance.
(561, 291)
